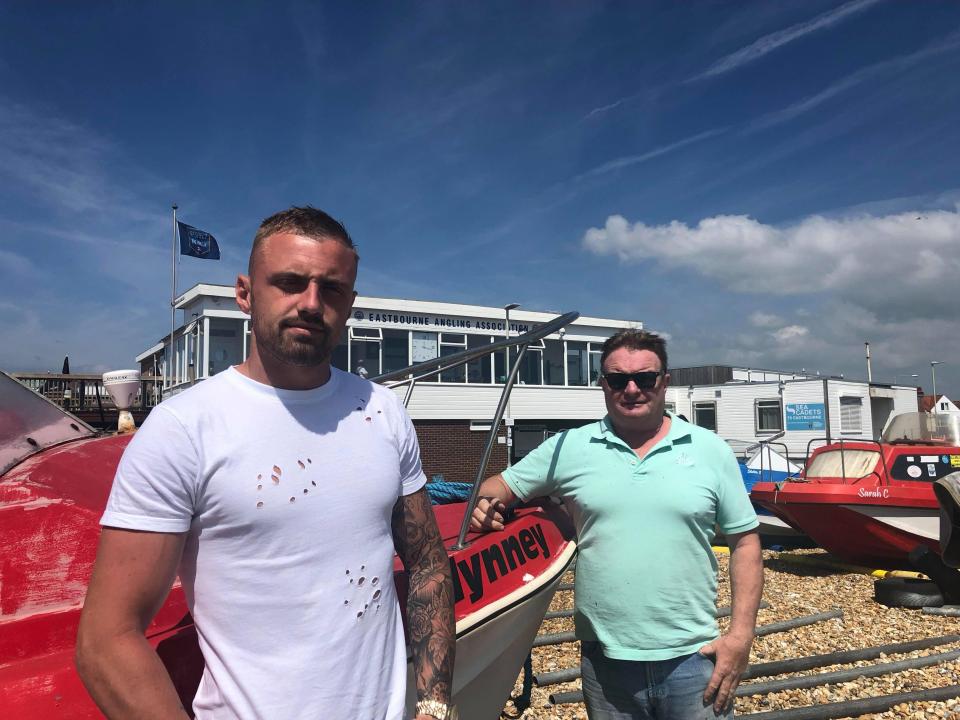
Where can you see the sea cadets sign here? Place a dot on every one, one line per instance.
(435, 321)
(476, 574)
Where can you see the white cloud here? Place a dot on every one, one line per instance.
(769, 43)
(765, 320)
(897, 264)
(790, 334)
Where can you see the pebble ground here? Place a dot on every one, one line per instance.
(793, 589)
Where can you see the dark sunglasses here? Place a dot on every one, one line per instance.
(646, 380)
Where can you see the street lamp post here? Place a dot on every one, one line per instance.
(897, 377)
(933, 376)
(507, 419)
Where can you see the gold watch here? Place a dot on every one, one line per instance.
(437, 709)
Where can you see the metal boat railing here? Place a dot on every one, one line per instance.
(409, 376)
(763, 445)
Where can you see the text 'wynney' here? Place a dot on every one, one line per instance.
(496, 561)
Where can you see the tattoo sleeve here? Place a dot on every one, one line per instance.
(430, 619)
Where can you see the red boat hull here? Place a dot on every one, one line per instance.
(871, 526)
(50, 506)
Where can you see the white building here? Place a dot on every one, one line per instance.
(556, 382)
(755, 405)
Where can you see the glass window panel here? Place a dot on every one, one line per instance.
(453, 338)
(359, 332)
(705, 415)
(396, 350)
(365, 354)
(553, 362)
(226, 344)
(843, 463)
(425, 346)
(499, 367)
(458, 374)
(339, 357)
(478, 371)
(530, 372)
(576, 363)
(594, 368)
(769, 416)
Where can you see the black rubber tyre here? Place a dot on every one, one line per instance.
(907, 592)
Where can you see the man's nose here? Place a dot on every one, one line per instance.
(311, 299)
(632, 387)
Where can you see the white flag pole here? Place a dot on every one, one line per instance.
(173, 296)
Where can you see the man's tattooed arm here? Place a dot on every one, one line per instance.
(430, 620)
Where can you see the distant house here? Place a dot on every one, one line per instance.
(939, 404)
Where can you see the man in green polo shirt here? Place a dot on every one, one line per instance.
(646, 490)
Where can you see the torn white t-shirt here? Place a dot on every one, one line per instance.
(286, 498)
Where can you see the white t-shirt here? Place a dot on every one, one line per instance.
(286, 498)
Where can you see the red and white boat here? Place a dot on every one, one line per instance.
(870, 503)
(55, 476)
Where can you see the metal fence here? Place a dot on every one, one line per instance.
(85, 393)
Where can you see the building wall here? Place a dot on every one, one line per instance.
(451, 448)
(736, 409)
(434, 401)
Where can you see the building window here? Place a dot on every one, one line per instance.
(396, 350)
(577, 363)
(531, 367)
(769, 416)
(850, 408)
(478, 371)
(596, 350)
(365, 351)
(451, 344)
(424, 346)
(226, 344)
(553, 362)
(705, 415)
(670, 408)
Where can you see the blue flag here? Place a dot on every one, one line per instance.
(197, 243)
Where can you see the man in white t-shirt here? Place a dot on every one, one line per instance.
(279, 490)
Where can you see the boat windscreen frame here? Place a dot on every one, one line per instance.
(843, 468)
(409, 376)
(31, 423)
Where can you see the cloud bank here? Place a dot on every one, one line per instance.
(889, 279)
(894, 264)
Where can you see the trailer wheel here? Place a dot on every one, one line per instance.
(907, 592)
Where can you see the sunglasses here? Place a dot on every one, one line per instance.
(646, 380)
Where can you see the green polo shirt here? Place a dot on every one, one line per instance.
(646, 575)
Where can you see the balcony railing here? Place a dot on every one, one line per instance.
(85, 393)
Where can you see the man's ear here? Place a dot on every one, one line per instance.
(244, 293)
(666, 379)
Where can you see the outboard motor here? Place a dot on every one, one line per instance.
(940, 569)
(947, 490)
(123, 386)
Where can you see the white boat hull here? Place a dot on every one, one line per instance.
(493, 643)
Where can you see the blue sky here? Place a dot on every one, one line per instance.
(770, 183)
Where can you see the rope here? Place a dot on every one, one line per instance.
(442, 492)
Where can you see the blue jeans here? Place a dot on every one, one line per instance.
(656, 690)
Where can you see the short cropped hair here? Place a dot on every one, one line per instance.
(636, 340)
(307, 221)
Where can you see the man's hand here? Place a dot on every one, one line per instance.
(731, 653)
(495, 495)
(488, 515)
